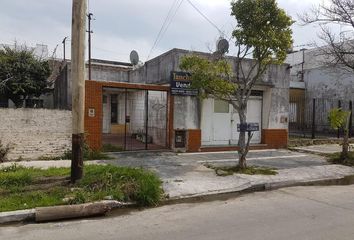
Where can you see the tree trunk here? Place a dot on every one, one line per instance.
(345, 146)
(242, 140)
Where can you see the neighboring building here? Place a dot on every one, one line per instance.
(310, 73)
(101, 70)
(314, 81)
(136, 109)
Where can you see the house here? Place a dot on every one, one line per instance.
(139, 110)
(315, 88)
(101, 70)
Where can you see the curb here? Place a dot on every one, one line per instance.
(29, 215)
(262, 187)
(17, 216)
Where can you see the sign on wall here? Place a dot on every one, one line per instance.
(248, 127)
(181, 83)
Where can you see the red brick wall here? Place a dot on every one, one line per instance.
(194, 140)
(275, 138)
(93, 125)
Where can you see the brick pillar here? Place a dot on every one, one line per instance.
(93, 123)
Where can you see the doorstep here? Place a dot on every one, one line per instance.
(222, 148)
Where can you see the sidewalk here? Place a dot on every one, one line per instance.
(184, 175)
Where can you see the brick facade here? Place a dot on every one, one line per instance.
(275, 138)
(194, 137)
(93, 124)
(93, 101)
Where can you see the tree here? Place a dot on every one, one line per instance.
(22, 75)
(339, 48)
(262, 32)
(340, 119)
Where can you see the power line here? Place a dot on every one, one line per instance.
(205, 17)
(171, 14)
(175, 13)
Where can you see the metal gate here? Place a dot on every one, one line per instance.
(135, 119)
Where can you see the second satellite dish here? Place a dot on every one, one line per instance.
(222, 46)
(134, 57)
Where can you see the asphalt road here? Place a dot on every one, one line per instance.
(292, 213)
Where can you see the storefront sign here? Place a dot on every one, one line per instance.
(248, 127)
(181, 83)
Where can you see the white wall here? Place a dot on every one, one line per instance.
(35, 132)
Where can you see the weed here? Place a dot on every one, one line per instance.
(337, 159)
(111, 148)
(250, 170)
(23, 188)
(4, 151)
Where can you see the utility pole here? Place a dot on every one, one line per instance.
(78, 86)
(89, 17)
(64, 40)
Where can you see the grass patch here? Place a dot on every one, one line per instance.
(250, 170)
(111, 148)
(24, 188)
(336, 159)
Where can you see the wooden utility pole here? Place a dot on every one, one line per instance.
(78, 86)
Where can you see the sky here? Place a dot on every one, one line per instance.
(121, 26)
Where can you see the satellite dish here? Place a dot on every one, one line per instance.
(134, 57)
(222, 46)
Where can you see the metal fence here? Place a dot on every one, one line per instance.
(309, 117)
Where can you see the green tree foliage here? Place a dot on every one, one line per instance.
(339, 119)
(264, 27)
(212, 78)
(22, 75)
(263, 33)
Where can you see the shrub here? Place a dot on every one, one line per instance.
(4, 151)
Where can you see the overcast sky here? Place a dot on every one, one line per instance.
(121, 26)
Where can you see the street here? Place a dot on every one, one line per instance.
(290, 213)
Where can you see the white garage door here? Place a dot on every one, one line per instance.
(219, 121)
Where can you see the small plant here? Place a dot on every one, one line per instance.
(4, 151)
(111, 148)
(339, 119)
(12, 168)
(249, 170)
